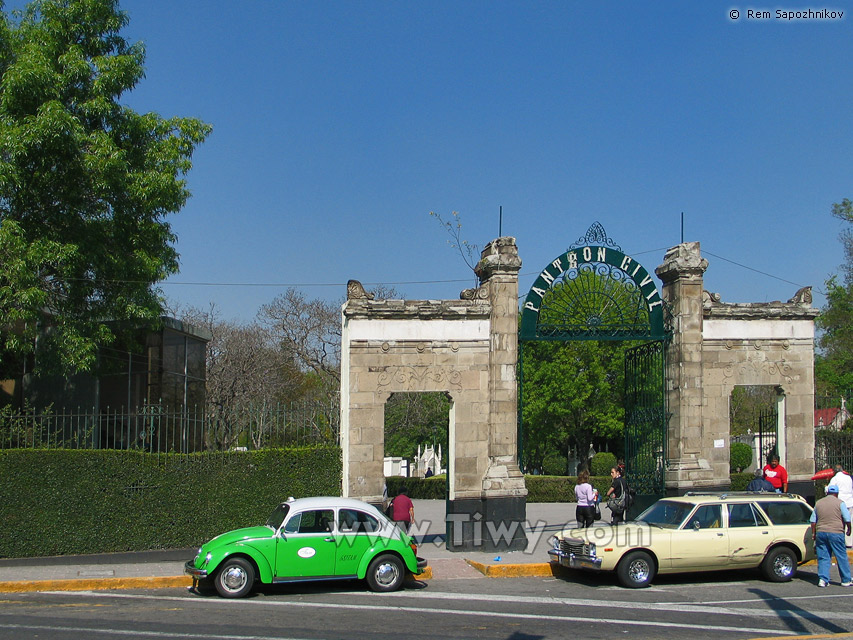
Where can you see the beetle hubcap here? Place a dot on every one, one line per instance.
(234, 578)
(783, 566)
(386, 574)
(638, 571)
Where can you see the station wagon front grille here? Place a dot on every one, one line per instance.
(576, 547)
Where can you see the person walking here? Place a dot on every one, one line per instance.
(403, 510)
(830, 521)
(776, 474)
(585, 497)
(758, 483)
(844, 482)
(617, 496)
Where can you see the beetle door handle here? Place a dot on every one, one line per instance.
(328, 539)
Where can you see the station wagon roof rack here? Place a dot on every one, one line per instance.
(722, 495)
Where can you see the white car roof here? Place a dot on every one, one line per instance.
(330, 502)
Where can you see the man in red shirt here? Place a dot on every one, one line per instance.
(776, 475)
(403, 511)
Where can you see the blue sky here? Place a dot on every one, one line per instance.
(338, 127)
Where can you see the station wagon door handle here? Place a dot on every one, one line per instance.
(719, 535)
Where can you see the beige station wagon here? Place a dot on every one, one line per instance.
(696, 532)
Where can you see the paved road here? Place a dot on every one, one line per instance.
(730, 605)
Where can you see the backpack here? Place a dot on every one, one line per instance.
(389, 510)
(629, 500)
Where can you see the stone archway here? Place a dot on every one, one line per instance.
(467, 348)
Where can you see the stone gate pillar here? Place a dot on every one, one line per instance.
(502, 495)
(682, 274)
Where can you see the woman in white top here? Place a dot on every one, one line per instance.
(585, 494)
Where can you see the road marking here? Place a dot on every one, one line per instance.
(446, 611)
(136, 633)
(621, 604)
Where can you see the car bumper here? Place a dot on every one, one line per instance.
(422, 565)
(190, 568)
(573, 561)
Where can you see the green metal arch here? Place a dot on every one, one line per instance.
(600, 259)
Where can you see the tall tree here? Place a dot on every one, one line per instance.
(834, 367)
(86, 184)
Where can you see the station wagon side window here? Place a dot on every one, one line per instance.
(744, 514)
(355, 521)
(317, 521)
(786, 511)
(708, 516)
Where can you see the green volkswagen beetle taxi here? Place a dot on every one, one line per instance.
(310, 539)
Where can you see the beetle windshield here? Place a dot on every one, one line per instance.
(278, 516)
(666, 513)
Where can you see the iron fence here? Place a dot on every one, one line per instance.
(833, 447)
(161, 429)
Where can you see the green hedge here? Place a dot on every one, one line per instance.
(57, 502)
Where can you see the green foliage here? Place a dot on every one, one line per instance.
(747, 403)
(85, 183)
(738, 481)
(601, 464)
(554, 464)
(434, 488)
(572, 395)
(560, 488)
(834, 364)
(416, 419)
(740, 456)
(57, 502)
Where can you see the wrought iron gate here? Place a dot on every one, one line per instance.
(768, 434)
(645, 421)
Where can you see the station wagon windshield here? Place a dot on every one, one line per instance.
(278, 516)
(666, 513)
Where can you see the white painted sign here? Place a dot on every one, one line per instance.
(719, 444)
(306, 552)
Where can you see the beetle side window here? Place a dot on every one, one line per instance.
(319, 521)
(786, 511)
(355, 521)
(745, 515)
(708, 516)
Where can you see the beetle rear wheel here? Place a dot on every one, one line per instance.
(235, 578)
(386, 573)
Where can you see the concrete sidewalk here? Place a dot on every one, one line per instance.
(153, 569)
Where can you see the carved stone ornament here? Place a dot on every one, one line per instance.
(480, 293)
(355, 291)
(420, 379)
(803, 296)
(709, 297)
(762, 368)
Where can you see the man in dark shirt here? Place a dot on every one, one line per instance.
(758, 483)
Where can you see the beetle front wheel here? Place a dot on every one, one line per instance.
(235, 578)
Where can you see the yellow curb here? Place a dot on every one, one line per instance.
(533, 570)
(844, 634)
(95, 584)
(813, 561)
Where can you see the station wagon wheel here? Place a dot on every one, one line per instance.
(636, 569)
(235, 578)
(386, 573)
(780, 565)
